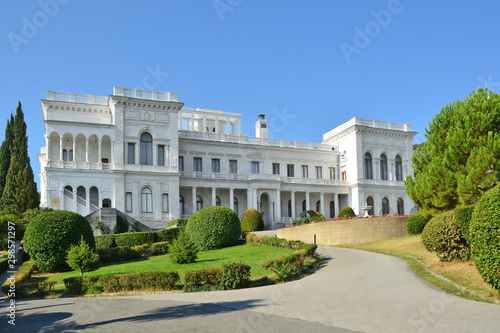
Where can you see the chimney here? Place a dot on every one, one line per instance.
(261, 127)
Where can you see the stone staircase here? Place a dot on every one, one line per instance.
(108, 218)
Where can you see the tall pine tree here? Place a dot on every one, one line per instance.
(20, 192)
(460, 159)
(5, 153)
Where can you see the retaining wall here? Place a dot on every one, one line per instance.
(347, 231)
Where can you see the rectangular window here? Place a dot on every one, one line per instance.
(319, 172)
(305, 171)
(343, 172)
(276, 168)
(131, 153)
(165, 202)
(216, 165)
(161, 155)
(289, 170)
(255, 167)
(197, 164)
(332, 173)
(233, 166)
(128, 202)
(181, 163)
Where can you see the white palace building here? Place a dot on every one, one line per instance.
(144, 154)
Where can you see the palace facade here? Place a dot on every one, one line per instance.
(144, 154)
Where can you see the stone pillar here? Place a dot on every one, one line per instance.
(308, 203)
(256, 200)
(155, 154)
(292, 194)
(47, 144)
(204, 122)
(214, 196)
(337, 208)
(239, 126)
(192, 121)
(87, 200)
(278, 205)
(216, 124)
(112, 155)
(137, 158)
(227, 125)
(87, 151)
(60, 149)
(99, 154)
(75, 202)
(99, 199)
(193, 198)
(74, 149)
(231, 199)
(249, 198)
(322, 203)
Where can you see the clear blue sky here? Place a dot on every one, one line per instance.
(318, 62)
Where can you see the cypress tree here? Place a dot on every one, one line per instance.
(20, 192)
(460, 159)
(5, 153)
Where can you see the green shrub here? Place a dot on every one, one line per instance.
(122, 282)
(121, 253)
(443, 236)
(230, 276)
(121, 225)
(415, 223)
(4, 263)
(183, 250)
(182, 222)
(346, 212)
(159, 248)
(22, 276)
(235, 276)
(301, 221)
(98, 225)
(17, 228)
(214, 228)
(168, 235)
(105, 241)
(144, 249)
(51, 234)
(317, 217)
(289, 264)
(464, 217)
(252, 221)
(34, 289)
(132, 239)
(83, 258)
(484, 233)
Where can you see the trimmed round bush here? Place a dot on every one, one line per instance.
(50, 235)
(252, 221)
(214, 228)
(415, 223)
(464, 216)
(443, 236)
(346, 212)
(484, 232)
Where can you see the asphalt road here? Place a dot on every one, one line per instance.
(355, 291)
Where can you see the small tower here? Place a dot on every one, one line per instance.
(261, 127)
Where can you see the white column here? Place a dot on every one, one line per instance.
(87, 200)
(227, 125)
(194, 198)
(99, 150)
(60, 149)
(256, 200)
(292, 194)
(216, 124)
(214, 195)
(87, 150)
(239, 126)
(308, 204)
(74, 149)
(155, 154)
(231, 199)
(47, 144)
(112, 157)
(249, 198)
(192, 121)
(75, 203)
(337, 208)
(99, 199)
(278, 205)
(322, 203)
(137, 158)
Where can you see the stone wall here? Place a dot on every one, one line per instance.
(347, 231)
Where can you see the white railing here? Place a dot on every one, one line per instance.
(222, 137)
(367, 123)
(76, 98)
(146, 94)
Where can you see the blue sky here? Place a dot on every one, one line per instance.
(309, 65)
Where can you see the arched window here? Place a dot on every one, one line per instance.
(217, 201)
(304, 207)
(65, 155)
(385, 206)
(318, 206)
(369, 202)
(399, 168)
(181, 205)
(332, 209)
(401, 206)
(146, 149)
(383, 167)
(236, 206)
(147, 200)
(290, 207)
(199, 203)
(368, 166)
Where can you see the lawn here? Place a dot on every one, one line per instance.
(461, 273)
(253, 255)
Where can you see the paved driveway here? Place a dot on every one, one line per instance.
(355, 291)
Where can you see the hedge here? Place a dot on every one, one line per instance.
(151, 281)
(463, 217)
(132, 239)
(229, 276)
(484, 233)
(22, 276)
(182, 222)
(120, 253)
(415, 223)
(104, 241)
(4, 263)
(252, 220)
(443, 236)
(167, 235)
